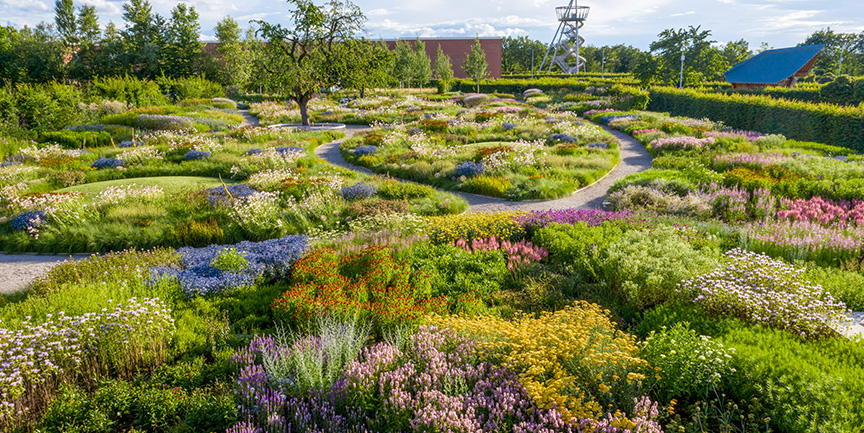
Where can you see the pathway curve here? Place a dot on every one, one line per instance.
(18, 270)
(248, 119)
(634, 158)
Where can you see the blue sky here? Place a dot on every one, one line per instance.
(777, 22)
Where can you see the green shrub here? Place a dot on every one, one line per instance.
(579, 245)
(812, 387)
(824, 123)
(47, 107)
(454, 271)
(403, 190)
(688, 366)
(645, 267)
(77, 139)
(195, 87)
(140, 93)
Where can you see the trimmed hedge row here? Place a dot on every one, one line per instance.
(77, 139)
(823, 123)
(517, 86)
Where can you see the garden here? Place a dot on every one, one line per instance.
(247, 285)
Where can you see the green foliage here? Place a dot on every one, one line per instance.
(645, 267)
(688, 366)
(845, 286)
(805, 387)
(230, 260)
(196, 87)
(830, 124)
(475, 63)
(454, 272)
(403, 190)
(77, 139)
(139, 93)
(47, 107)
(578, 247)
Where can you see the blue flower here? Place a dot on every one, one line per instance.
(358, 191)
(218, 196)
(29, 219)
(365, 150)
(103, 162)
(196, 155)
(469, 169)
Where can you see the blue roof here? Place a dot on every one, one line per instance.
(773, 66)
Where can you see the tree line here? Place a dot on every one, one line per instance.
(705, 59)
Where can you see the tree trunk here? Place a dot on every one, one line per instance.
(303, 102)
(478, 86)
(362, 93)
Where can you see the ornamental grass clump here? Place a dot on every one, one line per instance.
(676, 143)
(574, 360)
(38, 356)
(217, 268)
(759, 289)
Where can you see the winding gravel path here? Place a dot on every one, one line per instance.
(18, 270)
(634, 158)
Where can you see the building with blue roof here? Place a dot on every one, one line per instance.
(781, 67)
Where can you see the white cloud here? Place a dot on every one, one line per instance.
(378, 12)
(683, 14)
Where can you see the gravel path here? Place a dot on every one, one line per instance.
(17, 271)
(634, 158)
(248, 119)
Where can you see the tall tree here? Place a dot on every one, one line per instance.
(736, 52)
(182, 47)
(403, 63)
(65, 22)
(142, 38)
(845, 46)
(516, 56)
(88, 25)
(443, 70)
(305, 58)
(703, 62)
(368, 65)
(475, 64)
(422, 65)
(234, 69)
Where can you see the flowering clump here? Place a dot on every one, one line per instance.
(200, 270)
(194, 155)
(103, 162)
(759, 289)
(365, 150)
(592, 217)
(290, 152)
(358, 191)
(564, 138)
(371, 284)
(480, 225)
(518, 253)
(680, 143)
(433, 382)
(115, 195)
(806, 240)
(608, 110)
(608, 120)
(825, 212)
(29, 220)
(468, 169)
(36, 357)
(569, 360)
(749, 160)
(222, 195)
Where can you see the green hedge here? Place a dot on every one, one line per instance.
(517, 86)
(823, 123)
(77, 139)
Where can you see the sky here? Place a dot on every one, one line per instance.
(779, 23)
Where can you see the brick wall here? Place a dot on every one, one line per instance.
(458, 50)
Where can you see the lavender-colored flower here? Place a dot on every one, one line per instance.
(592, 217)
(468, 169)
(33, 219)
(103, 162)
(195, 155)
(358, 191)
(365, 150)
